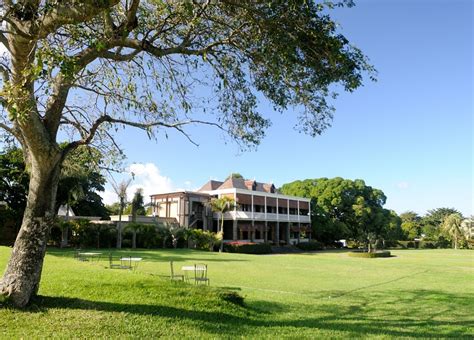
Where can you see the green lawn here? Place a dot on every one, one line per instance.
(418, 293)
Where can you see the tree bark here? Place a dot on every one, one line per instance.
(221, 246)
(134, 238)
(23, 274)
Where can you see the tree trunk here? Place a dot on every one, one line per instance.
(134, 228)
(22, 277)
(221, 246)
(98, 237)
(134, 239)
(64, 236)
(119, 226)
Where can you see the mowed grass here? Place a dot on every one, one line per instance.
(419, 293)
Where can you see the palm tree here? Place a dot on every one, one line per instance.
(72, 180)
(137, 209)
(452, 227)
(75, 194)
(121, 191)
(221, 206)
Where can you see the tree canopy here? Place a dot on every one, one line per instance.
(14, 179)
(137, 62)
(343, 208)
(451, 226)
(234, 175)
(411, 224)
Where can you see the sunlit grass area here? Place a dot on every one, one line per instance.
(418, 293)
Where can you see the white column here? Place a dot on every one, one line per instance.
(265, 208)
(288, 209)
(252, 233)
(277, 212)
(252, 206)
(298, 205)
(235, 206)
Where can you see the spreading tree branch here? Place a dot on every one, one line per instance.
(144, 126)
(70, 12)
(4, 41)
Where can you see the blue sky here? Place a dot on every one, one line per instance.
(409, 134)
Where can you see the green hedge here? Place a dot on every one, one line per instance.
(311, 245)
(384, 253)
(247, 248)
(441, 243)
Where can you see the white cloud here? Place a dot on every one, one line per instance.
(403, 185)
(108, 196)
(146, 176)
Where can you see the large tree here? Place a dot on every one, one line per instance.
(451, 226)
(343, 208)
(138, 208)
(84, 67)
(431, 222)
(121, 191)
(411, 225)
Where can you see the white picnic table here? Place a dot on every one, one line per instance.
(85, 256)
(189, 271)
(132, 262)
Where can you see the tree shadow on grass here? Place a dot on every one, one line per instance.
(358, 314)
(155, 255)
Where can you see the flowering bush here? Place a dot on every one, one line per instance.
(239, 243)
(247, 247)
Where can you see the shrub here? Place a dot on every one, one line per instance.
(311, 245)
(84, 234)
(384, 253)
(443, 243)
(247, 248)
(470, 244)
(393, 244)
(204, 239)
(427, 245)
(354, 244)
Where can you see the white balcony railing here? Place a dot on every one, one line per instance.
(236, 215)
(247, 215)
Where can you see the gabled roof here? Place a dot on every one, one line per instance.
(269, 187)
(63, 211)
(239, 183)
(211, 185)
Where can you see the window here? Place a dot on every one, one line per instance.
(245, 207)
